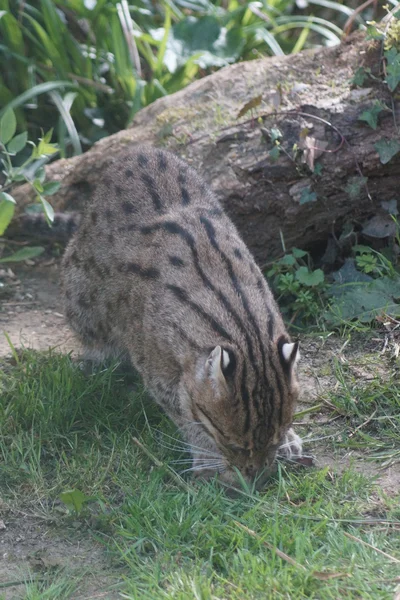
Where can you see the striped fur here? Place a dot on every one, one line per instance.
(158, 272)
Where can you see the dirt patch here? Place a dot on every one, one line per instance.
(31, 309)
(32, 548)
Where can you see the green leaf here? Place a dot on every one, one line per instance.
(7, 209)
(45, 149)
(310, 278)
(18, 143)
(74, 500)
(392, 68)
(51, 187)
(37, 184)
(274, 153)
(354, 185)
(41, 88)
(370, 116)
(360, 76)
(298, 253)
(8, 125)
(387, 149)
(307, 196)
(364, 301)
(48, 209)
(23, 254)
(7, 197)
(287, 260)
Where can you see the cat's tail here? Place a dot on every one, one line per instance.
(35, 226)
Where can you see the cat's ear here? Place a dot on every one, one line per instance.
(289, 353)
(220, 364)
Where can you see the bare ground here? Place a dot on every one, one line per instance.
(31, 315)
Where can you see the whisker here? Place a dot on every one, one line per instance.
(189, 446)
(217, 467)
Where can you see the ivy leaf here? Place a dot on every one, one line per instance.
(360, 76)
(18, 143)
(310, 278)
(7, 209)
(392, 68)
(387, 149)
(275, 134)
(354, 185)
(370, 116)
(74, 500)
(23, 254)
(274, 153)
(307, 196)
(8, 125)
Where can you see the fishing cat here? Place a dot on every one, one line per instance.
(157, 271)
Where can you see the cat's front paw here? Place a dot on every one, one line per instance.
(291, 446)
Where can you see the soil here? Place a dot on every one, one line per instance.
(31, 315)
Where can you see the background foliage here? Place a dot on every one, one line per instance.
(85, 67)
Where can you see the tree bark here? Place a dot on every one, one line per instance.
(309, 98)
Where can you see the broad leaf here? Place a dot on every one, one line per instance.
(8, 125)
(370, 116)
(6, 214)
(51, 187)
(387, 149)
(364, 301)
(307, 196)
(18, 143)
(310, 278)
(48, 209)
(74, 500)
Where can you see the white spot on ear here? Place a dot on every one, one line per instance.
(225, 359)
(213, 364)
(290, 353)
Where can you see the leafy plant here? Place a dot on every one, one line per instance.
(29, 169)
(299, 285)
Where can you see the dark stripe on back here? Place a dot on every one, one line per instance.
(176, 229)
(238, 289)
(182, 295)
(137, 269)
(151, 188)
(161, 160)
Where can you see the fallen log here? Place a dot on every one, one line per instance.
(279, 140)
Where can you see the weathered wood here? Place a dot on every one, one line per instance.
(301, 94)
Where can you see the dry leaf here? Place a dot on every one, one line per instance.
(325, 576)
(253, 103)
(313, 148)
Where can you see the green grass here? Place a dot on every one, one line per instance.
(178, 539)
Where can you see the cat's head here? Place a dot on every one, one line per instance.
(241, 410)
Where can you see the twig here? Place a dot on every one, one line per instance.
(19, 303)
(356, 12)
(308, 410)
(158, 463)
(356, 539)
(321, 575)
(281, 554)
(362, 424)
